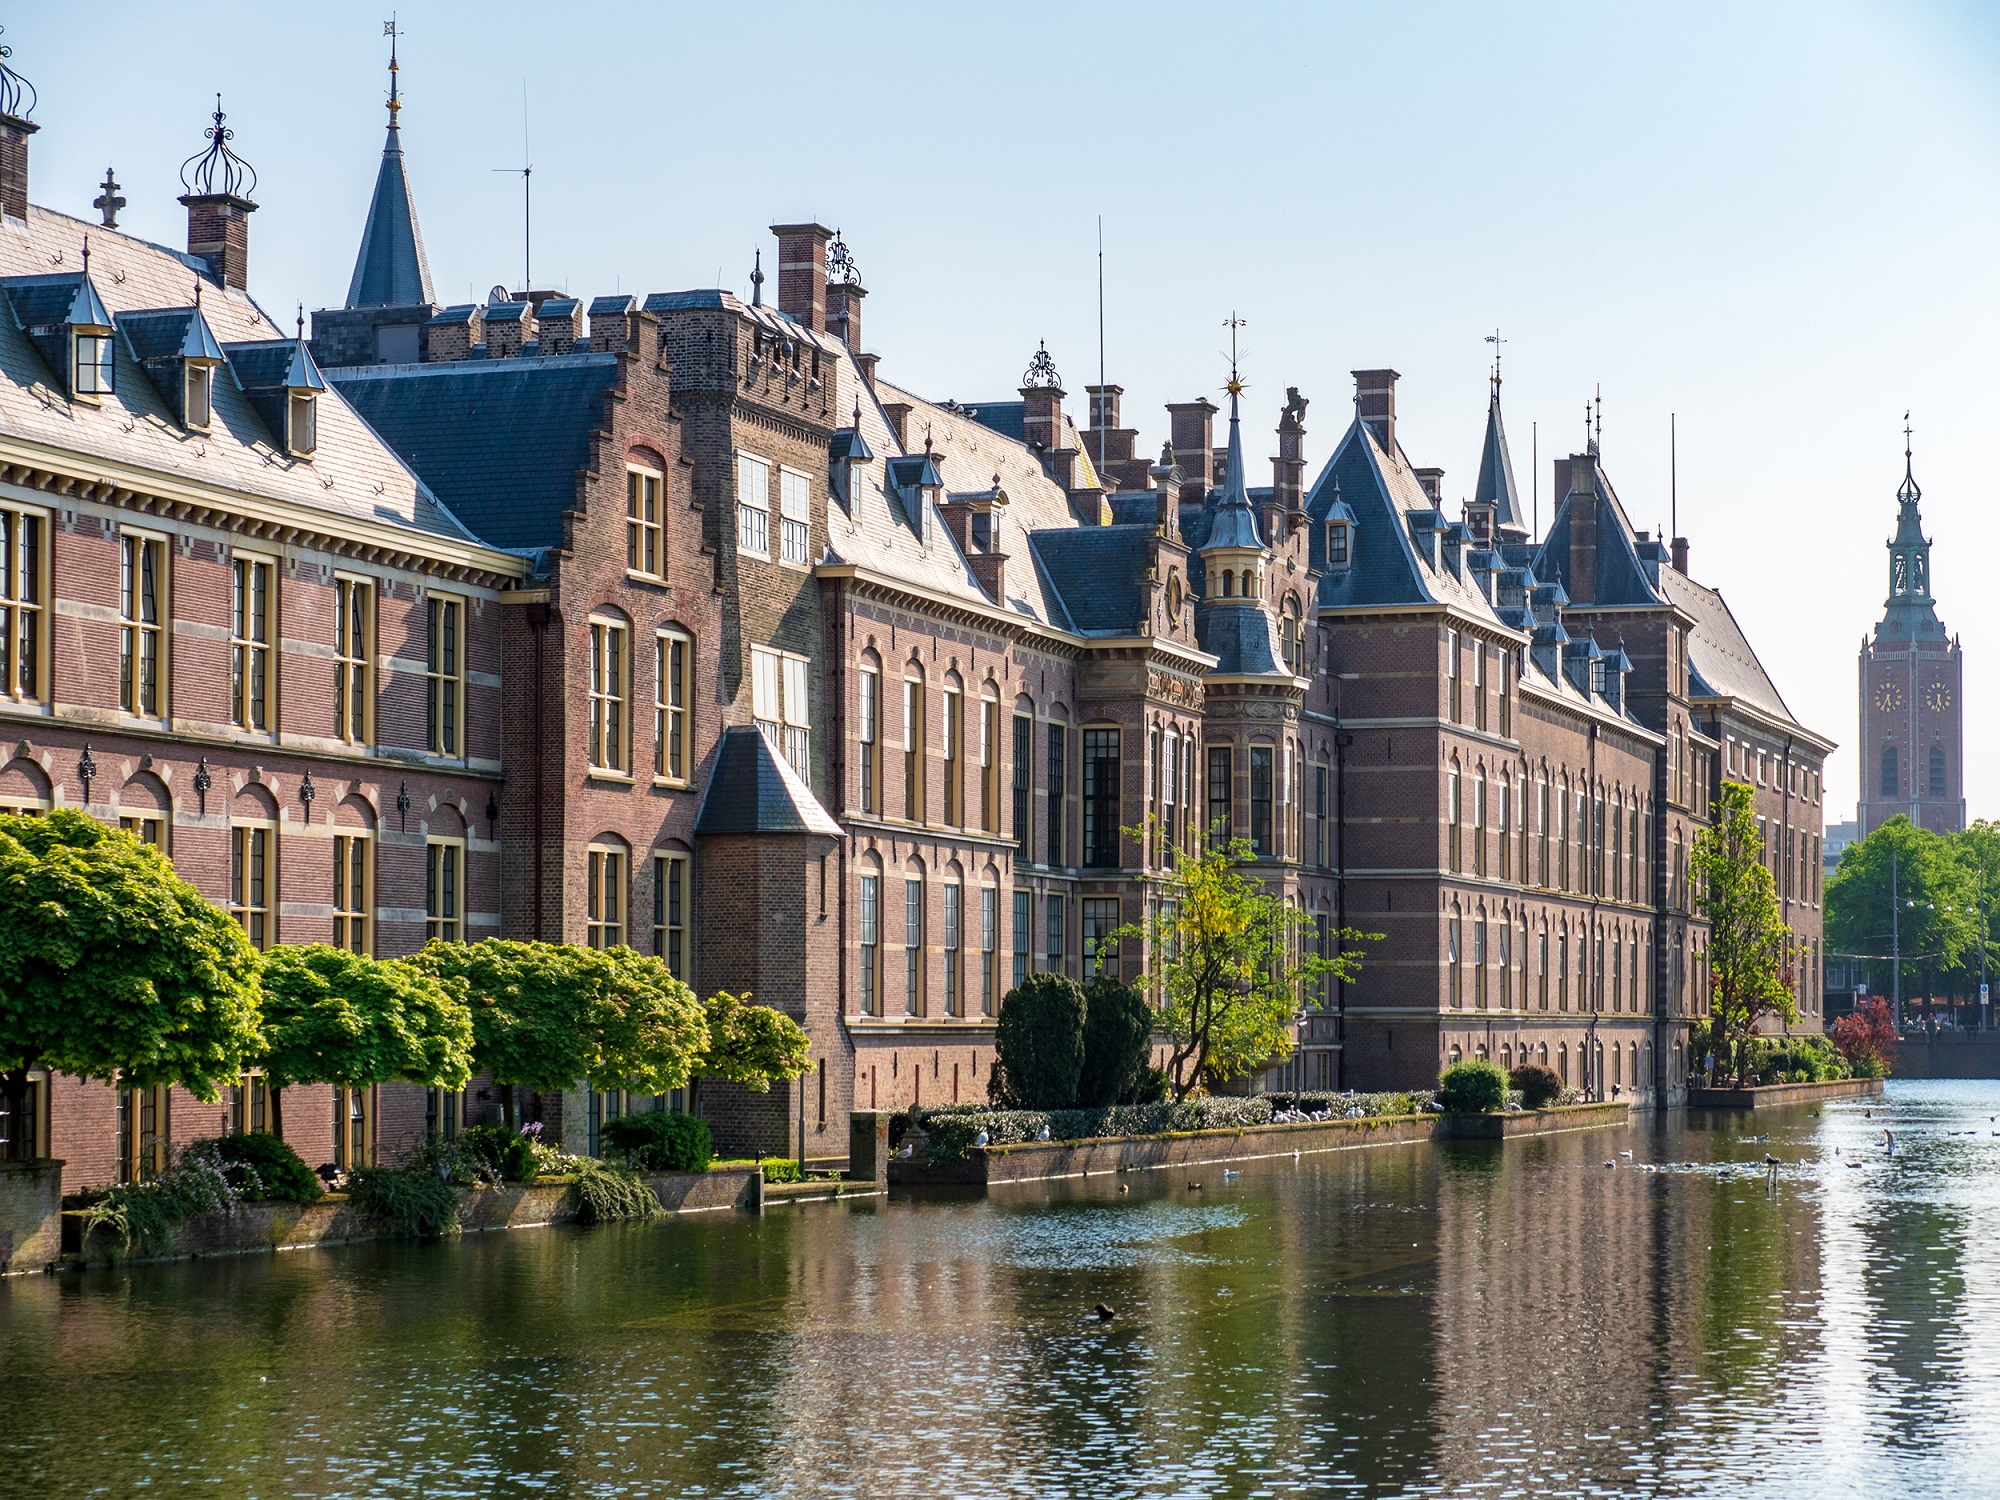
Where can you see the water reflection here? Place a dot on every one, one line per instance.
(1486, 1320)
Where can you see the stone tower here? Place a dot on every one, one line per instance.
(1912, 692)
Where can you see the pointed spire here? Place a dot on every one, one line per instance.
(391, 270)
(757, 280)
(1235, 523)
(1909, 494)
(1496, 485)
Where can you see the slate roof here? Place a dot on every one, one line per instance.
(500, 441)
(1622, 580)
(390, 269)
(1231, 521)
(1496, 485)
(168, 333)
(368, 482)
(1721, 662)
(1096, 571)
(753, 789)
(1243, 637)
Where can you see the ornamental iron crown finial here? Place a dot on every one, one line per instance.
(1909, 494)
(14, 88)
(1041, 374)
(216, 171)
(840, 267)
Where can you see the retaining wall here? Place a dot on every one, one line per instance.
(1774, 1095)
(30, 1214)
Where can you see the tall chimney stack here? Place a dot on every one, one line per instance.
(1375, 404)
(17, 102)
(1681, 556)
(219, 184)
(802, 273)
(1192, 428)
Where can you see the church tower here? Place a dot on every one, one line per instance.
(1912, 692)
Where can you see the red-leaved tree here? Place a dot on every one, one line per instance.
(1867, 1037)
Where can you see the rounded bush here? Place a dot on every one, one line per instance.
(1038, 1044)
(661, 1141)
(1472, 1087)
(276, 1171)
(1117, 1035)
(1538, 1085)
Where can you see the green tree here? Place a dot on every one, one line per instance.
(1038, 1044)
(1748, 942)
(1978, 849)
(753, 1045)
(334, 1016)
(1230, 959)
(1117, 1036)
(113, 967)
(1906, 887)
(548, 1016)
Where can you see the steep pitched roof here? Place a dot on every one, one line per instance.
(1622, 580)
(1721, 660)
(1231, 522)
(500, 441)
(1095, 570)
(753, 789)
(1496, 470)
(390, 270)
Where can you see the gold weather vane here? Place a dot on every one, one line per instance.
(1496, 341)
(395, 102)
(1235, 383)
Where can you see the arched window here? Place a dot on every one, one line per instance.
(1937, 771)
(1890, 780)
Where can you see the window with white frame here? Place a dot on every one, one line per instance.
(604, 898)
(913, 946)
(782, 704)
(671, 892)
(795, 517)
(609, 687)
(302, 431)
(645, 536)
(673, 666)
(444, 890)
(251, 591)
(868, 732)
(354, 660)
(23, 598)
(989, 957)
(197, 395)
(353, 891)
(95, 373)
(753, 506)
(142, 600)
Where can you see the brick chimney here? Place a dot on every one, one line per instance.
(1288, 469)
(1582, 498)
(1433, 482)
(1041, 416)
(1375, 404)
(219, 232)
(843, 313)
(1681, 556)
(14, 133)
(1192, 424)
(802, 273)
(614, 324)
(898, 413)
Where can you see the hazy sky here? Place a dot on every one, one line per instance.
(1777, 221)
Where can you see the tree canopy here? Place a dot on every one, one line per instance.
(113, 967)
(753, 1045)
(1038, 1044)
(1230, 960)
(333, 1016)
(1748, 942)
(1906, 886)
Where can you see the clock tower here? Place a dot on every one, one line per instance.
(1912, 701)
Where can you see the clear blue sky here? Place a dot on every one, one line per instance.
(1778, 221)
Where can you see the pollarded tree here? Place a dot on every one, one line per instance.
(1229, 958)
(753, 1045)
(333, 1016)
(1748, 942)
(113, 967)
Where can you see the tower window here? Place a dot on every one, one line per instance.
(303, 435)
(1890, 779)
(94, 372)
(197, 401)
(1937, 771)
(1336, 543)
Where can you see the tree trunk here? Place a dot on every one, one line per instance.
(507, 1106)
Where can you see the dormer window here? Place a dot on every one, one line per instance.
(92, 372)
(198, 395)
(301, 423)
(1336, 543)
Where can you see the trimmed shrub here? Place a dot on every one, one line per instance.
(1038, 1044)
(1117, 1034)
(410, 1205)
(1472, 1087)
(264, 1167)
(661, 1141)
(1539, 1086)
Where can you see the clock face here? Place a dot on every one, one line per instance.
(1888, 697)
(1937, 697)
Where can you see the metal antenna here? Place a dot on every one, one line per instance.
(1496, 341)
(1535, 470)
(1673, 477)
(1102, 395)
(527, 171)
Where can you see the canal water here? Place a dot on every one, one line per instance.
(1648, 1311)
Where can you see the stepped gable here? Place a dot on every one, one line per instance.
(499, 441)
(351, 472)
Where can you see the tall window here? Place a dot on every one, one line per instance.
(1187, 786)
(1562, 971)
(753, 506)
(445, 673)
(1221, 794)
(142, 587)
(353, 660)
(197, 394)
(868, 730)
(1453, 848)
(913, 947)
(1541, 833)
(353, 893)
(1451, 673)
(1336, 543)
(250, 643)
(604, 899)
(1170, 795)
(1579, 806)
(871, 945)
(954, 757)
(1479, 684)
(252, 879)
(23, 597)
(1024, 770)
(989, 765)
(302, 434)
(645, 552)
(444, 891)
(1260, 800)
(1501, 828)
(1022, 925)
(1542, 970)
(145, 1132)
(1479, 961)
(1058, 795)
(248, 1102)
(1057, 935)
(95, 372)
(1891, 780)
(1506, 703)
(1506, 966)
(782, 707)
(1937, 771)
(1452, 951)
(1100, 920)
(913, 750)
(670, 911)
(673, 748)
(609, 685)
(1319, 851)
(1562, 837)
(1101, 775)
(1479, 824)
(954, 997)
(795, 501)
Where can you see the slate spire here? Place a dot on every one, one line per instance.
(1235, 523)
(1496, 474)
(390, 270)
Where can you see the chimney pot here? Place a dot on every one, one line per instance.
(1375, 404)
(219, 232)
(802, 273)
(1681, 555)
(1192, 425)
(843, 313)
